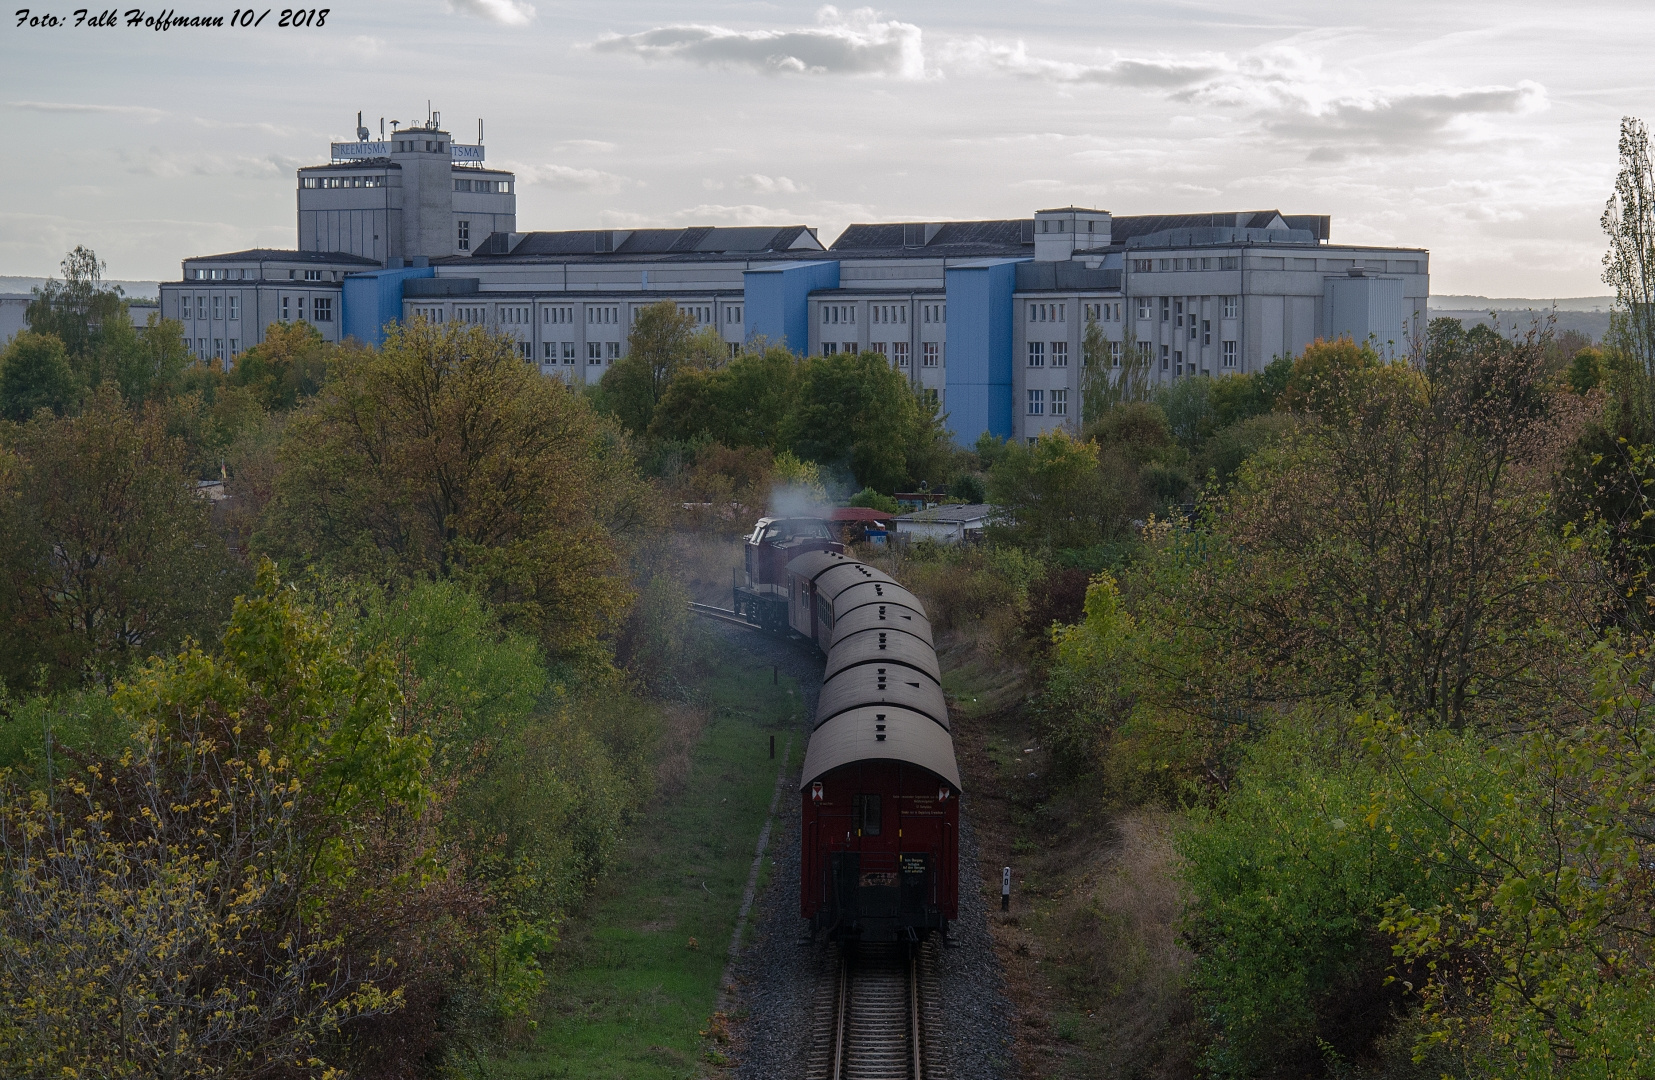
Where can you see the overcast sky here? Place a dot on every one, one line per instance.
(1482, 131)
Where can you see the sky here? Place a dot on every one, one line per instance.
(1485, 132)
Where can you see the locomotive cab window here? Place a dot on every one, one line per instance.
(865, 814)
(792, 530)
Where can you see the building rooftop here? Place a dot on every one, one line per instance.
(956, 513)
(700, 240)
(284, 255)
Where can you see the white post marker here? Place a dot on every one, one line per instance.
(1005, 889)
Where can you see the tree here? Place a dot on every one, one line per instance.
(1629, 264)
(742, 403)
(35, 374)
(79, 309)
(854, 411)
(1104, 383)
(289, 366)
(663, 340)
(252, 888)
(443, 454)
(110, 554)
(1053, 494)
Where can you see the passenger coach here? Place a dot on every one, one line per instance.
(880, 787)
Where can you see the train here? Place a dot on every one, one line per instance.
(880, 787)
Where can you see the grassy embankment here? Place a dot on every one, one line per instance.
(636, 975)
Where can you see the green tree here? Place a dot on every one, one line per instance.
(1629, 264)
(35, 374)
(742, 403)
(443, 454)
(854, 411)
(663, 340)
(1054, 495)
(109, 554)
(80, 311)
(1104, 383)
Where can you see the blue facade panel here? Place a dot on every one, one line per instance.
(979, 358)
(776, 300)
(368, 301)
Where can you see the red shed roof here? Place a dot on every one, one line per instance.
(858, 513)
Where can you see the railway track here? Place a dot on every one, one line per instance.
(876, 1011)
(721, 614)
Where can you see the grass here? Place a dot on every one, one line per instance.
(636, 977)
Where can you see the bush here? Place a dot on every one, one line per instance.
(873, 500)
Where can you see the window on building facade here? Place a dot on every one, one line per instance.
(611, 351)
(1166, 309)
(934, 313)
(1229, 307)
(930, 353)
(594, 352)
(1178, 311)
(465, 236)
(852, 347)
(301, 305)
(322, 309)
(1228, 354)
(218, 348)
(201, 347)
(603, 314)
(1060, 354)
(201, 307)
(235, 307)
(313, 275)
(218, 307)
(881, 348)
(1037, 354)
(1146, 350)
(568, 352)
(1143, 266)
(525, 349)
(1114, 354)
(548, 352)
(1146, 307)
(1060, 403)
(235, 346)
(899, 353)
(1037, 402)
(1206, 331)
(830, 348)
(1166, 356)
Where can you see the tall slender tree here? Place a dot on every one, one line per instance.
(1629, 264)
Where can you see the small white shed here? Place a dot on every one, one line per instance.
(946, 524)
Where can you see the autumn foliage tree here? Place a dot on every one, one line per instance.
(443, 454)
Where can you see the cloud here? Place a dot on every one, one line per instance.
(504, 12)
(770, 185)
(1156, 73)
(596, 146)
(139, 111)
(854, 43)
(1286, 91)
(168, 164)
(733, 215)
(569, 178)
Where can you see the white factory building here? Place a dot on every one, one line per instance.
(986, 316)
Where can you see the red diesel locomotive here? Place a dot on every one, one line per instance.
(880, 787)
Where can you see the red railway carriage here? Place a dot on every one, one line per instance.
(880, 787)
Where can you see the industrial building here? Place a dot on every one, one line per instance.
(986, 317)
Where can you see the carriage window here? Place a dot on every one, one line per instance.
(865, 809)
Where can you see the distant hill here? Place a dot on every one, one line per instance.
(1587, 315)
(135, 290)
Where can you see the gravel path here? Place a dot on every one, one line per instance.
(777, 972)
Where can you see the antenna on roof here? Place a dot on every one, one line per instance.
(381, 129)
(361, 132)
(479, 131)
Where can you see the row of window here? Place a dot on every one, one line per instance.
(701, 313)
(1059, 400)
(896, 351)
(213, 348)
(1048, 313)
(488, 187)
(1215, 262)
(342, 181)
(1173, 361)
(228, 308)
(218, 306)
(1059, 353)
(1174, 308)
(1104, 312)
